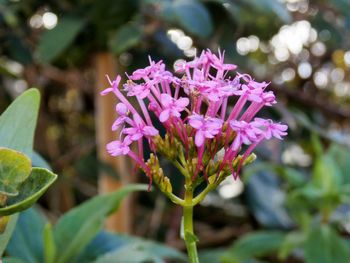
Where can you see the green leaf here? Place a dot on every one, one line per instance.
(53, 42)
(254, 245)
(17, 127)
(78, 227)
(269, 210)
(343, 6)
(7, 190)
(129, 255)
(5, 237)
(141, 251)
(103, 243)
(106, 242)
(272, 6)
(193, 17)
(126, 37)
(26, 243)
(292, 240)
(14, 169)
(326, 174)
(18, 49)
(29, 191)
(12, 260)
(324, 245)
(18, 122)
(342, 156)
(211, 255)
(191, 237)
(49, 244)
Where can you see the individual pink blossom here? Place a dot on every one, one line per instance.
(118, 147)
(180, 66)
(139, 90)
(144, 73)
(122, 111)
(218, 62)
(114, 84)
(271, 129)
(140, 129)
(246, 133)
(206, 127)
(171, 106)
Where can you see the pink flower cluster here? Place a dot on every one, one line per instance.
(194, 108)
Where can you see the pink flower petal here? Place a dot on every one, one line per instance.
(236, 143)
(106, 91)
(182, 103)
(196, 121)
(138, 120)
(166, 99)
(199, 138)
(121, 109)
(164, 115)
(136, 136)
(150, 131)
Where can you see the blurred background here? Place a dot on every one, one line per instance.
(66, 47)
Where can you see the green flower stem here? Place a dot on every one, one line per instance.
(175, 199)
(188, 235)
(180, 167)
(199, 198)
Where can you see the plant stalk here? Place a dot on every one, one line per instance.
(188, 234)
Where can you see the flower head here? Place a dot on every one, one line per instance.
(195, 104)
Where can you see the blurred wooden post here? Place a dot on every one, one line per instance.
(105, 115)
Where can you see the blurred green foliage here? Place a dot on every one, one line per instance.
(318, 207)
(78, 236)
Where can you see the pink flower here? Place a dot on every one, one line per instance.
(140, 129)
(218, 62)
(171, 106)
(271, 129)
(269, 98)
(216, 90)
(139, 90)
(116, 148)
(122, 110)
(114, 85)
(180, 66)
(146, 72)
(206, 127)
(252, 94)
(245, 133)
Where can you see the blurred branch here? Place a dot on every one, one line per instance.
(313, 101)
(68, 77)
